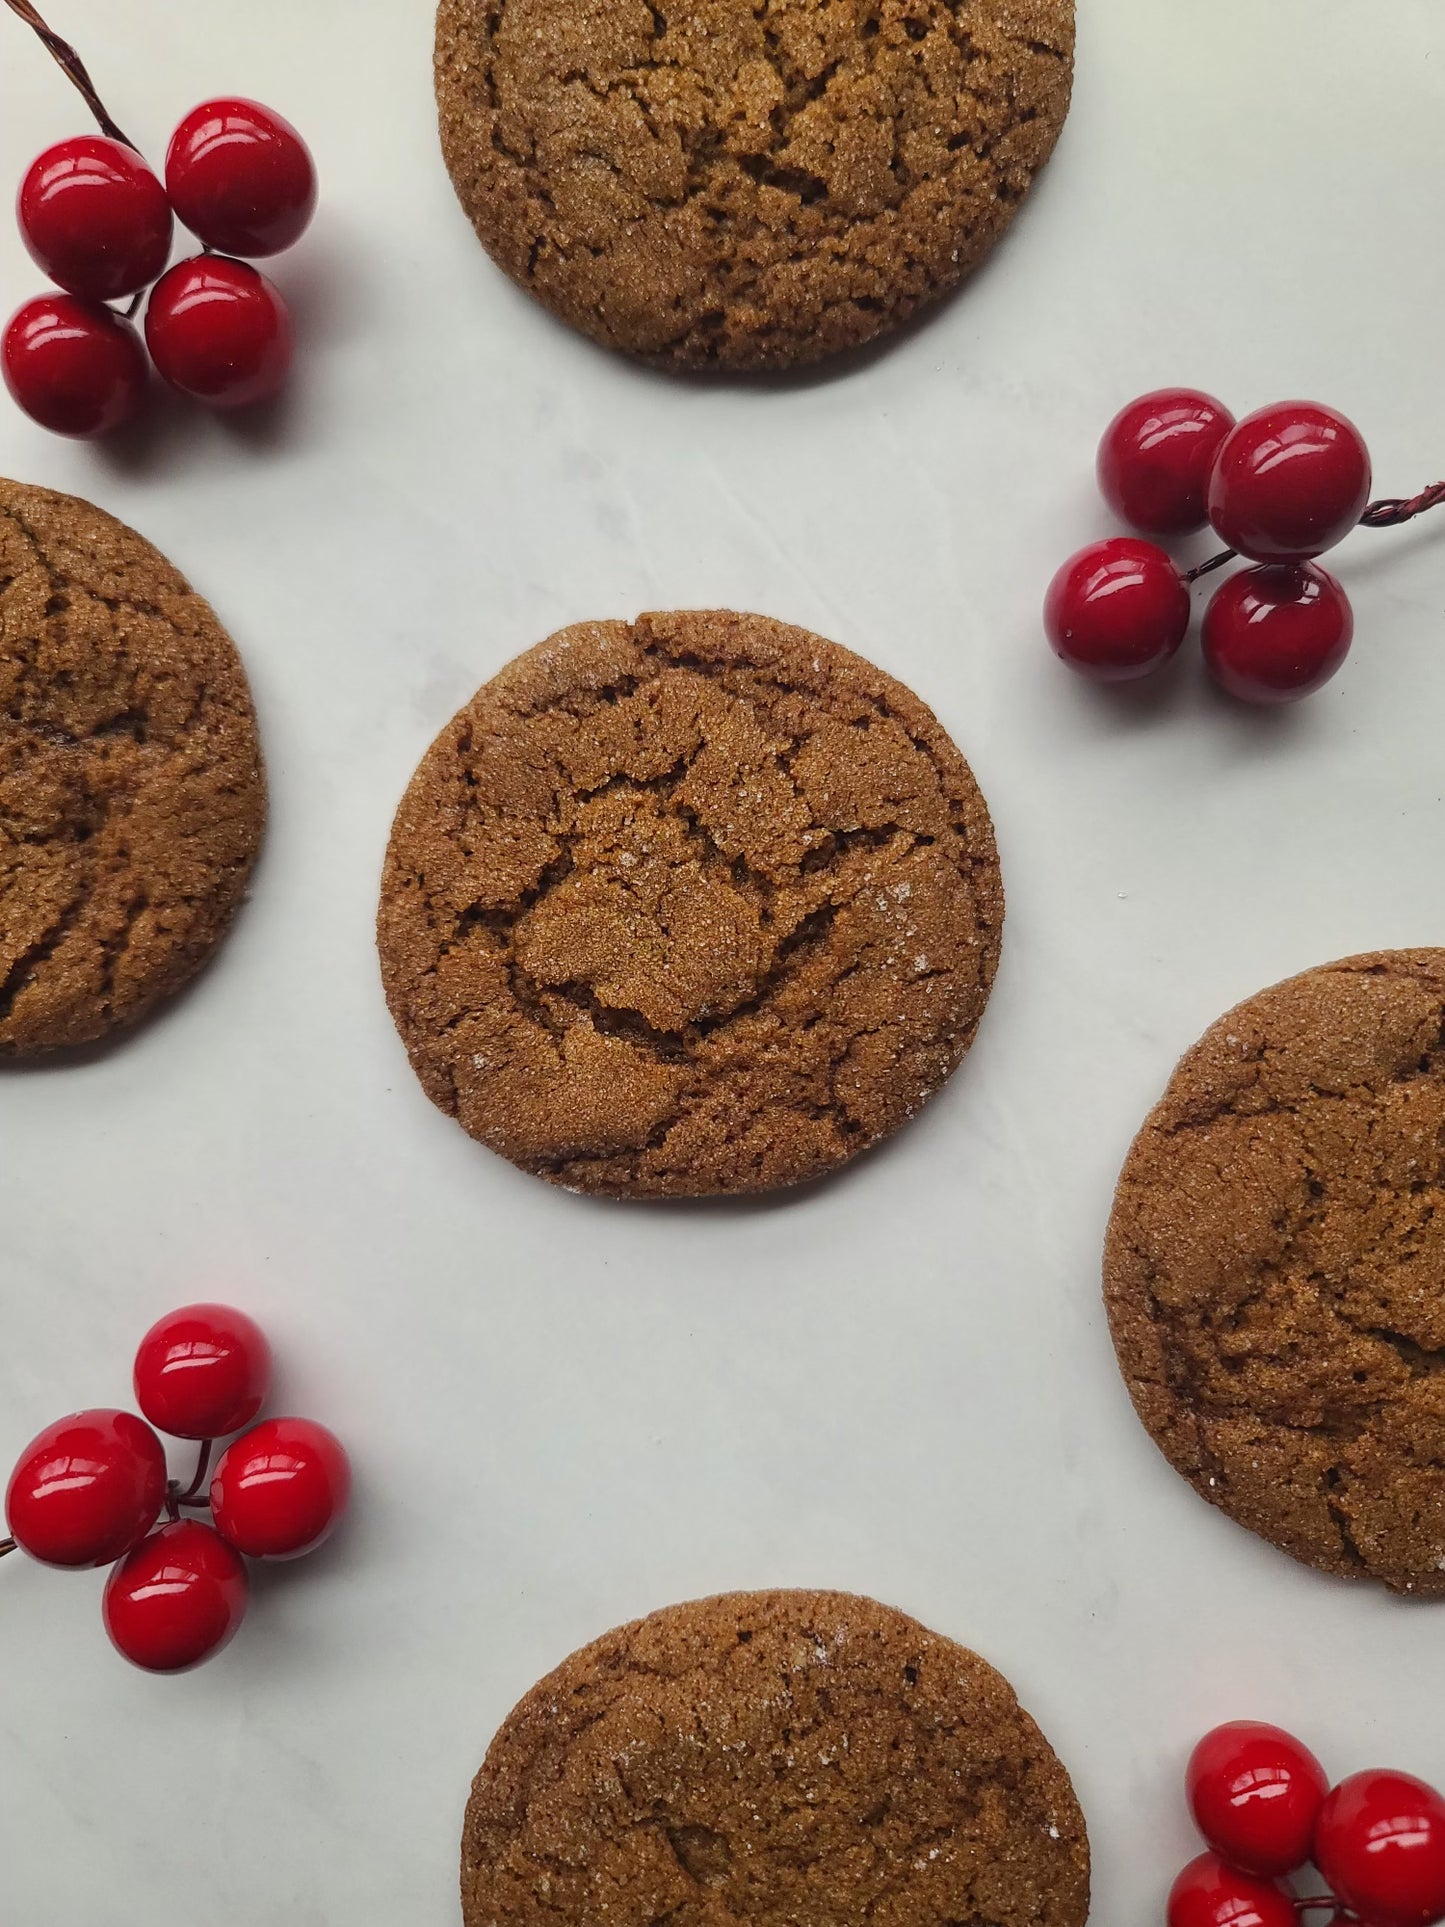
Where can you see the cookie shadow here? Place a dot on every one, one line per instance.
(838, 366)
(841, 366)
(789, 1197)
(851, 361)
(74, 1057)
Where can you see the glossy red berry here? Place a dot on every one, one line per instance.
(176, 1599)
(1157, 456)
(278, 1491)
(94, 217)
(1211, 1893)
(1117, 610)
(1291, 481)
(217, 329)
(1255, 1793)
(240, 177)
(73, 366)
(86, 1489)
(202, 1372)
(1278, 632)
(1380, 1843)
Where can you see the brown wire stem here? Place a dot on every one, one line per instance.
(1389, 513)
(193, 1495)
(1208, 568)
(188, 1497)
(73, 67)
(6, 1545)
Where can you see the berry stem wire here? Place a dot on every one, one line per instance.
(1390, 512)
(1395, 509)
(176, 1498)
(1207, 568)
(188, 1497)
(6, 1545)
(74, 69)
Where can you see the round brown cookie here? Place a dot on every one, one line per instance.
(788, 1759)
(746, 183)
(697, 904)
(1275, 1268)
(132, 798)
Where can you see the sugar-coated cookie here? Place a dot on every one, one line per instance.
(788, 1759)
(132, 797)
(701, 903)
(1275, 1269)
(746, 183)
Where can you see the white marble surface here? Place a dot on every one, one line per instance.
(564, 1413)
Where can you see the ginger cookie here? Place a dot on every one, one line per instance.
(697, 904)
(1275, 1268)
(746, 183)
(132, 798)
(788, 1759)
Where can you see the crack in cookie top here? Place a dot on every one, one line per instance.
(746, 183)
(132, 797)
(784, 1759)
(700, 904)
(1275, 1268)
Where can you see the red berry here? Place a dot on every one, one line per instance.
(1117, 610)
(1380, 1842)
(202, 1372)
(1278, 632)
(219, 330)
(86, 1489)
(1255, 1793)
(278, 1491)
(94, 217)
(1210, 1893)
(1156, 457)
(240, 177)
(73, 366)
(176, 1599)
(1290, 482)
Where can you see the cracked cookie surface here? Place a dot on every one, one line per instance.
(132, 797)
(698, 904)
(746, 183)
(783, 1759)
(1275, 1268)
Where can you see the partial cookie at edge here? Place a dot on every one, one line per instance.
(132, 795)
(782, 1757)
(722, 184)
(1275, 1268)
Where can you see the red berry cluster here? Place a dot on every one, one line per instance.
(1262, 1801)
(91, 1487)
(1280, 487)
(98, 221)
